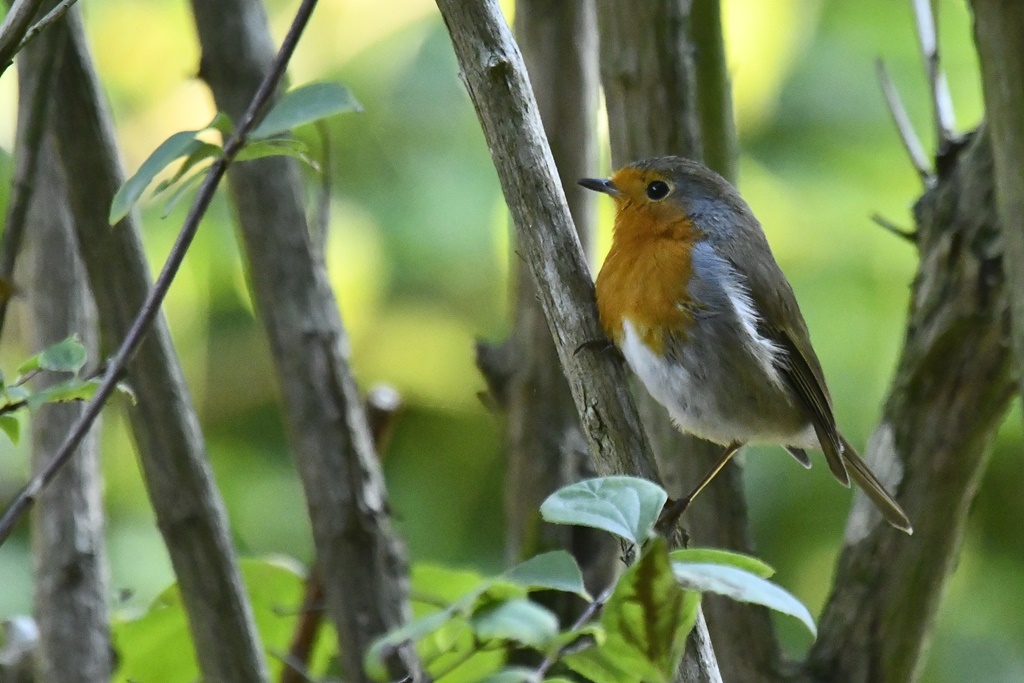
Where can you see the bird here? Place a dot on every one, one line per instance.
(691, 295)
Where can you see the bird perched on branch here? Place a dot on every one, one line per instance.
(693, 298)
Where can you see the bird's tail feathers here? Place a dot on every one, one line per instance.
(869, 483)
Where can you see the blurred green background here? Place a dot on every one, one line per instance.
(418, 253)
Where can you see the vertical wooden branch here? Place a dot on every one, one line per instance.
(559, 43)
(714, 90)
(188, 508)
(998, 35)
(361, 561)
(71, 588)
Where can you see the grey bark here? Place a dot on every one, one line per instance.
(188, 508)
(71, 584)
(651, 91)
(952, 387)
(997, 34)
(361, 561)
(714, 90)
(559, 43)
(495, 76)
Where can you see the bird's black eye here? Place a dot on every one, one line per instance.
(657, 190)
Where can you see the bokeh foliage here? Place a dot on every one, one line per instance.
(418, 251)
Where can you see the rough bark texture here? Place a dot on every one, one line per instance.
(71, 588)
(647, 62)
(559, 43)
(495, 76)
(952, 388)
(188, 508)
(361, 561)
(997, 33)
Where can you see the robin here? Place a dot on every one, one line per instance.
(693, 298)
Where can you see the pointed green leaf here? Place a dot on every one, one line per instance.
(204, 151)
(306, 104)
(519, 620)
(741, 585)
(222, 123)
(727, 557)
(11, 426)
(189, 184)
(260, 149)
(178, 145)
(73, 389)
(625, 506)
(556, 570)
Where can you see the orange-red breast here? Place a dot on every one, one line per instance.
(692, 296)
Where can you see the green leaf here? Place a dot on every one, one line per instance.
(11, 426)
(178, 145)
(205, 151)
(646, 621)
(741, 585)
(556, 570)
(625, 506)
(727, 557)
(512, 674)
(64, 356)
(518, 620)
(409, 633)
(436, 585)
(223, 124)
(260, 149)
(193, 180)
(305, 104)
(73, 389)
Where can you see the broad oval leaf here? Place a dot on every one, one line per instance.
(726, 557)
(178, 145)
(305, 104)
(518, 620)
(64, 356)
(741, 585)
(556, 570)
(625, 506)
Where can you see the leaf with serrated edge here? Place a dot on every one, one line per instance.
(726, 557)
(305, 104)
(555, 570)
(743, 586)
(625, 506)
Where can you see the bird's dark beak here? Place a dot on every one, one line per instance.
(600, 185)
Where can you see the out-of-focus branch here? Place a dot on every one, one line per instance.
(33, 105)
(360, 559)
(67, 532)
(997, 33)
(952, 387)
(187, 505)
(16, 24)
(714, 90)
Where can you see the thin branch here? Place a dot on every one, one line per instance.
(942, 103)
(908, 235)
(714, 90)
(116, 368)
(16, 23)
(909, 137)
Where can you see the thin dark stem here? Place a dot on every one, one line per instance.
(14, 27)
(52, 16)
(586, 616)
(151, 307)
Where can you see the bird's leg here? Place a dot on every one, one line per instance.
(674, 509)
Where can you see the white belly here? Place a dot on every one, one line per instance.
(689, 391)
